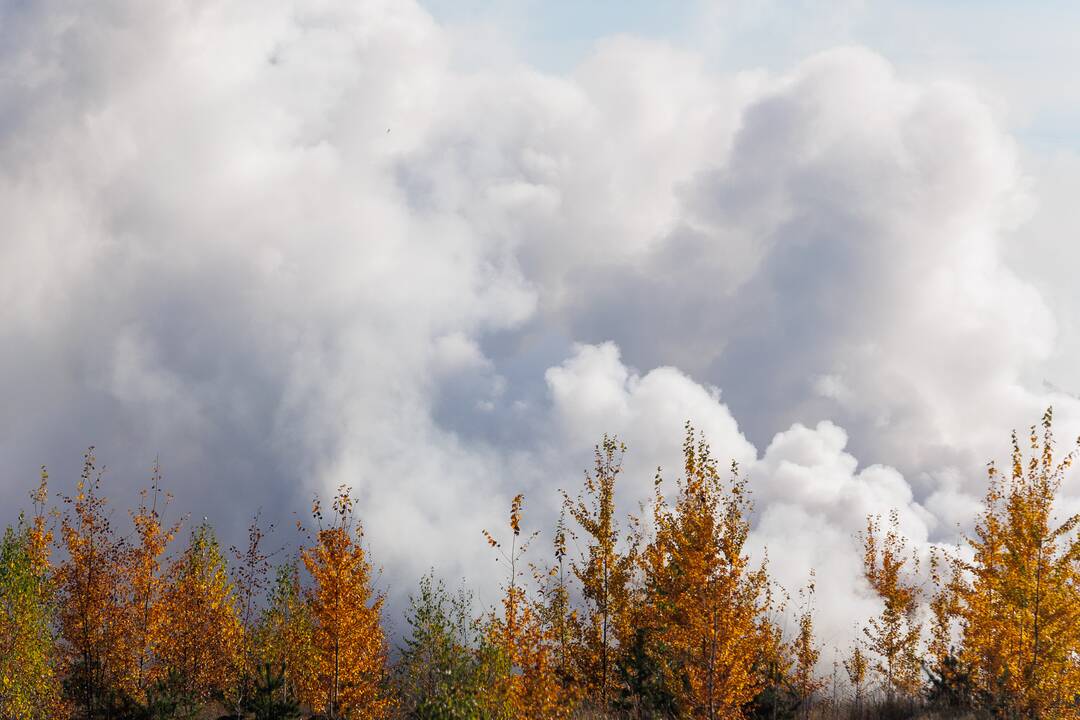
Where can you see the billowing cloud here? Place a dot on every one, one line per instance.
(811, 497)
(844, 261)
(289, 247)
(594, 393)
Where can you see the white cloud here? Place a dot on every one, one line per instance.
(811, 497)
(594, 393)
(287, 248)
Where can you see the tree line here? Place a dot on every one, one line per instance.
(662, 614)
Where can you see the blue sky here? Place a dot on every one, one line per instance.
(557, 35)
(1024, 51)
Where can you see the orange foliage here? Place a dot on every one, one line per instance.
(674, 621)
(350, 652)
(806, 652)
(531, 688)
(1018, 601)
(40, 532)
(91, 609)
(142, 568)
(285, 635)
(605, 574)
(857, 668)
(707, 601)
(29, 683)
(202, 628)
(893, 636)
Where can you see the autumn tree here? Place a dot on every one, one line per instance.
(604, 572)
(285, 634)
(202, 627)
(531, 688)
(777, 696)
(857, 668)
(1019, 603)
(95, 659)
(806, 652)
(41, 529)
(561, 630)
(249, 576)
(29, 686)
(945, 576)
(707, 601)
(893, 636)
(949, 682)
(143, 621)
(556, 612)
(29, 680)
(349, 664)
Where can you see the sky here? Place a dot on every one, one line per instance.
(434, 251)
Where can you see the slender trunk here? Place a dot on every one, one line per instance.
(604, 650)
(1033, 680)
(337, 669)
(710, 665)
(88, 653)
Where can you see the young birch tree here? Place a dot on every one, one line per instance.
(143, 577)
(29, 686)
(285, 635)
(708, 602)
(605, 574)
(95, 659)
(202, 626)
(806, 652)
(1020, 605)
(893, 636)
(530, 687)
(350, 659)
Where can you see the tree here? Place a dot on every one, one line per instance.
(857, 667)
(893, 636)
(269, 699)
(555, 613)
(774, 666)
(605, 574)
(531, 687)
(165, 698)
(806, 652)
(29, 687)
(202, 627)
(645, 688)
(248, 574)
(349, 668)
(446, 663)
(142, 577)
(285, 634)
(1019, 602)
(944, 609)
(950, 688)
(40, 531)
(95, 658)
(703, 596)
